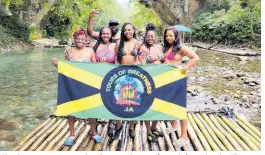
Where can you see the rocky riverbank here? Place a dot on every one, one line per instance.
(225, 80)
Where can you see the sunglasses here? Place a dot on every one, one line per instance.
(113, 24)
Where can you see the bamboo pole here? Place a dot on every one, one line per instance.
(194, 139)
(160, 140)
(256, 140)
(225, 142)
(179, 133)
(137, 138)
(35, 137)
(243, 136)
(98, 146)
(204, 142)
(105, 143)
(248, 130)
(129, 145)
(166, 136)
(58, 137)
(144, 138)
(31, 134)
(242, 131)
(80, 139)
(173, 137)
(124, 136)
(235, 140)
(40, 140)
(60, 144)
(45, 143)
(212, 134)
(253, 128)
(205, 133)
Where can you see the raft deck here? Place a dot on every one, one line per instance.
(207, 132)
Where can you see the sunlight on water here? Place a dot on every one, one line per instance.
(28, 88)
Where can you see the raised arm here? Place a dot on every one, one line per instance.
(90, 31)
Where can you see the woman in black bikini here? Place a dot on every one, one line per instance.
(127, 54)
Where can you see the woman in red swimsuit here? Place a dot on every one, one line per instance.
(174, 52)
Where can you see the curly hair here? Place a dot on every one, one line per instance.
(148, 27)
(120, 52)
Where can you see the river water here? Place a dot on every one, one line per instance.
(28, 89)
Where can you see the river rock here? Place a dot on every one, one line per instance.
(252, 84)
(244, 98)
(250, 80)
(8, 138)
(240, 74)
(253, 100)
(236, 96)
(242, 58)
(224, 97)
(4, 125)
(229, 75)
(216, 101)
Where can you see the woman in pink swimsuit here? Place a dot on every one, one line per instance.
(105, 52)
(82, 54)
(174, 52)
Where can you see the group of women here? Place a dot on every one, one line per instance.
(126, 50)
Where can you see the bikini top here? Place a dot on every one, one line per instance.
(106, 52)
(134, 52)
(171, 55)
(71, 58)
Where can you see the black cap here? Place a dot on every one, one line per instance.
(113, 21)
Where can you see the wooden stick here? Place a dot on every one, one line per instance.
(173, 137)
(59, 137)
(204, 142)
(219, 134)
(253, 128)
(196, 142)
(38, 142)
(205, 133)
(166, 136)
(230, 135)
(60, 145)
(35, 137)
(31, 134)
(80, 139)
(248, 130)
(144, 138)
(212, 134)
(137, 138)
(45, 143)
(161, 140)
(243, 136)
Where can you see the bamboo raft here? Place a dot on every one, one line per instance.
(207, 132)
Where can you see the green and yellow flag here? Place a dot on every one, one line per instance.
(121, 92)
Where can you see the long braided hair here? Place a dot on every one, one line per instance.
(176, 43)
(120, 52)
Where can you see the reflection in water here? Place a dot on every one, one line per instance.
(28, 88)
